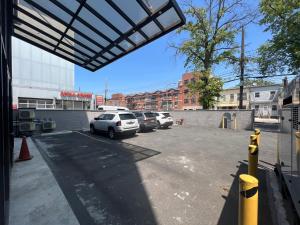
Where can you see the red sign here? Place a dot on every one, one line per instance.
(99, 100)
(75, 94)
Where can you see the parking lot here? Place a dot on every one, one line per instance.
(182, 175)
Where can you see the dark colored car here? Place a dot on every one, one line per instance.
(147, 120)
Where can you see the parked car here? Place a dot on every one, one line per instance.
(147, 120)
(164, 119)
(111, 108)
(114, 123)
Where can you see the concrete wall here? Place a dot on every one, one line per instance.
(213, 118)
(68, 119)
(75, 120)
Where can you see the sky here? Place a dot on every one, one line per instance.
(154, 66)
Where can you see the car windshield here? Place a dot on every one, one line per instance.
(167, 114)
(149, 114)
(128, 116)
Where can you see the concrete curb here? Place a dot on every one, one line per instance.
(278, 212)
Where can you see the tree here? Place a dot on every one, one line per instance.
(210, 88)
(212, 30)
(256, 82)
(282, 52)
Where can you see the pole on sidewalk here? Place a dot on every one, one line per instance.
(252, 160)
(257, 132)
(248, 200)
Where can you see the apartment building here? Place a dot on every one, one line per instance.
(117, 99)
(265, 101)
(187, 100)
(156, 101)
(230, 99)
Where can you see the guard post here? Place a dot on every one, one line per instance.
(257, 133)
(252, 160)
(248, 200)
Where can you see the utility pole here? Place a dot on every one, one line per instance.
(242, 68)
(105, 93)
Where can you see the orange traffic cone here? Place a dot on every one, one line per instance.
(24, 152)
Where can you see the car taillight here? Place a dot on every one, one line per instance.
(119, 123)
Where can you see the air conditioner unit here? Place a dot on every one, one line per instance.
(49, 125)
(26, 126)
(26, 114)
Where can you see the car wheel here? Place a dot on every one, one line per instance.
(111, 133)
(92, 129)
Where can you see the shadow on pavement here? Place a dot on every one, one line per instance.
(99, 178)
(229, 214)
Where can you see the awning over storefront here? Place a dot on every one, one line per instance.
(94, 33)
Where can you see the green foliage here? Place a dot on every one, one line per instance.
(212, 30)
(282, 52)
(207, 86)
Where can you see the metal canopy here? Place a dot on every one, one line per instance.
(94, 33)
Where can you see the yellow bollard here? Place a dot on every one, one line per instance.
(248, 200)
(257, 132)
(252, 160)
(235, 123)
(223, 122)
(297, 134)
(253, 139)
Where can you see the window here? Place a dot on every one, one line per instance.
(231, 97)
(128, 116)
(274, 107)
(256, 107)
(167, 114)
(186, 91)
(108, 116)
(186, 82)
(149, 114)
(257, 94)
(272, 94)
(193, 100)
(138, 114)
(244, 96)
(193, 80)
(186, 101)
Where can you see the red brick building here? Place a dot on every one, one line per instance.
(117, 100)
(163, 100)
(187, 100)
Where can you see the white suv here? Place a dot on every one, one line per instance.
(115, 123)
(164, 119)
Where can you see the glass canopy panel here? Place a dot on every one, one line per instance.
(169, 19)
(73, 6)
(116, 51)
(97, 23)
(132, 9)
(50, 7)
(105, 10)
(137, 38)
(151, 29)
(155, 5)
(94, 33)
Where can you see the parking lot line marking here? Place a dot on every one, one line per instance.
(96, 139)
(57, 133)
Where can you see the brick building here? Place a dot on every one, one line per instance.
(187, 100)
(178, 98)
(117, 99)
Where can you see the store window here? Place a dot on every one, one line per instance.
(35, 103)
